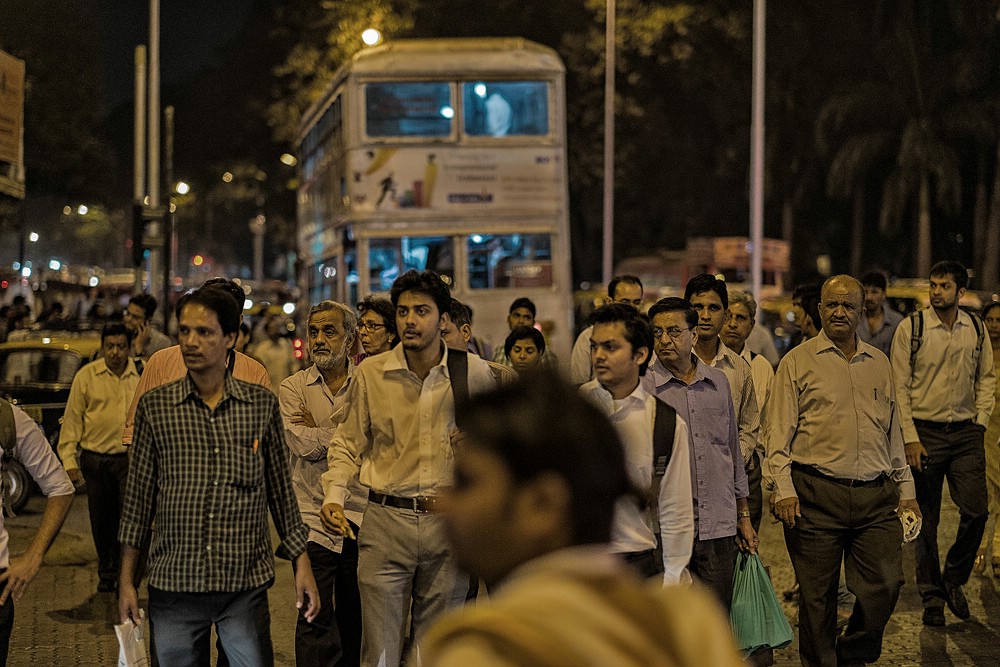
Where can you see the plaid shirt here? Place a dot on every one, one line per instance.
(208, 477)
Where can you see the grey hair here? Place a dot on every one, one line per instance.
(349, 316)
(746, 300)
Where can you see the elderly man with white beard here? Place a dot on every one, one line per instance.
(312, 405)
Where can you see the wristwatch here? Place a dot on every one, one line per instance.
(744, 514)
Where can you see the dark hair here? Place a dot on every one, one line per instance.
(956, 270)
(630, 280)
(674, 304)
(875, 279)
(524, 333)
(522, 302)
(219, 301)
(384, 309)
(704, 282)
(460, 314)
(809, 296)
(992, 305)
(230, 287)
(145, 301)
(115, 329)
(543, 426)
(424, 282)
(638, 331)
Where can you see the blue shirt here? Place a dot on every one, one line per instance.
(717, 473)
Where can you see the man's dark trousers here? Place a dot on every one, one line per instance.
(334, 636)
(105, 475)
(857, 525)
(954, 451)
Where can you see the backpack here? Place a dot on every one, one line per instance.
(664, 426)
(458, 371)
(917, 337)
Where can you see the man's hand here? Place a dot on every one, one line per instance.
(19, 574)
(128, 602)
(746, 536)
(786, 510)
(303, 418)
(333, 519)
(915, 455)
(457, 438)
(75, 476)
(910, 504)
(306, 593)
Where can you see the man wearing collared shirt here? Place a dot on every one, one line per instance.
(92, 422)
(836, 466)
(880, 321)
(33, 451)
(208, 459)
(700, 395)
(710, 299)
(398, 436)
(740, 317)
(621, 345)
(312, 404)
(946, 397)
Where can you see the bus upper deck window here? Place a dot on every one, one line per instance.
(506, 108)
(408, 109)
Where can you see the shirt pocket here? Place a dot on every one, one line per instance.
(715, 424)
(247, 465)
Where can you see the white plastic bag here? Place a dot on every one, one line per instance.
(132, 650)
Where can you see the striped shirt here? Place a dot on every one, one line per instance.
(207, 476)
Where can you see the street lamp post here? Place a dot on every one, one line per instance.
(257, 229)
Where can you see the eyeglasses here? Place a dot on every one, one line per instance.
(674, 332)
(371, 327)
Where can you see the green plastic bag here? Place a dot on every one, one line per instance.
(757, 618)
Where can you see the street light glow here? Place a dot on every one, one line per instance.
(33, 237)
(227, 177)
(288, 159)
(54, 264)
(82, 210)
(371, 37)
(67, 209)
(182, 188)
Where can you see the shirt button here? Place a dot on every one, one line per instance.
(208, 548)
(215, 483)
(211, 515)
(216, 450)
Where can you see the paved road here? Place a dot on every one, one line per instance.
(63, 621)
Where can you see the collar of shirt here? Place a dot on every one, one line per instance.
(824, 344)
(932, 320)
(397, 361)
(725, 356)
(129, 369)
(602, 397)
(662, 376)
(185, 390)
(313, 376)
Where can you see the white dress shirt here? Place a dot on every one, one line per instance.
(633, 419)
(745, 404)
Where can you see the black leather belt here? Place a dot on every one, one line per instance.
(943, 426)
(420, 504)
(843, 481)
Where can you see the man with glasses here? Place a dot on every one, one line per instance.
(622, 289)
(700, 395)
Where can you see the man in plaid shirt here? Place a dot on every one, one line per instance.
(208, 459)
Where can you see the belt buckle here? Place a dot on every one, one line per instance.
(423, 504)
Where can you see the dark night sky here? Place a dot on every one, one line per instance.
(191, 34)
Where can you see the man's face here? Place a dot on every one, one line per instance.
(711, 314)
(628, 293)
(328, 340)
(203, 345)
(115, 350)
(418, 321)
(616, 365)
(134, 318)
(673, 339)
(992, 322)
(455, 337)
(520, 317)
(738, 326)
(481, 514)
(840, 309)
(944, 292)
(874, 297)
(524, 355)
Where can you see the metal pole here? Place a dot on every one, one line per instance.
(155, 228)
(168, 232)
(757, 150)
(609, 143)
(139, 155)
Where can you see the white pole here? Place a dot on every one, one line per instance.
(155, 228)
(757, 150)
(139, 154)
(609, 143)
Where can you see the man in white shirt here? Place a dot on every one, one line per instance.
(621, 289)
(398, 436)
(945, 381)
(20, 432)
(313, 402)
(621, 345)
(93, 421)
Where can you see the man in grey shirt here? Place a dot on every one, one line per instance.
(880, 320)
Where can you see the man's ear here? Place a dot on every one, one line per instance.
(466, 331)
(546, 509)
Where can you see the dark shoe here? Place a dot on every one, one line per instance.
(934, 617)
(107, 586)
(956, 600)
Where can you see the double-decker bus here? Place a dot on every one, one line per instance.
(447, 155)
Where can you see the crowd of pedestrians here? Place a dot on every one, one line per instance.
(443, 505)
